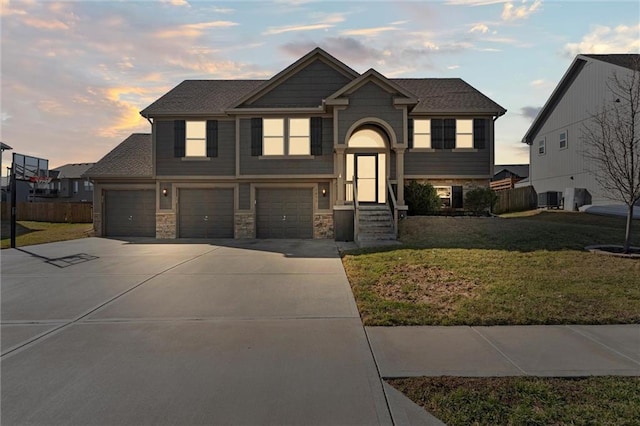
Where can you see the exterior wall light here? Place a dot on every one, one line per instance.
(164, 191)
(324, 192)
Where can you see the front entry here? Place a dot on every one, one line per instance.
(366, 174)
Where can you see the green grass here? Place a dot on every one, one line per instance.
(490, 271)
(526, 400)
(29, 233)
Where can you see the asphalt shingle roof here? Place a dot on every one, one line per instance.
(72, 171)
(447, 95)
(521, 170)
(436, 95)
(202, 96)
(131, 158)
(626, 60)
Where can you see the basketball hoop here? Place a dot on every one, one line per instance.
(40, 182)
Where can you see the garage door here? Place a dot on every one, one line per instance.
(206, 213)
(130, 213)
(284, 213)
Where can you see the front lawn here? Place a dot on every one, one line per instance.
(490, 271)
(526, 400)
(29, 233)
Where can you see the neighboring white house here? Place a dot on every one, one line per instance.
(557, 159)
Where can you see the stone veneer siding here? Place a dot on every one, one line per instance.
(166, 225)
(323, 225)
(245, 225)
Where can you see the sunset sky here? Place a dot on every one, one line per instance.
(76, 74)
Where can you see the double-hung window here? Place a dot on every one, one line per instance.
(563, 140)
(273, 136)
(464, 134)
(421, 133)
(196, 139)
(299, 136)
(290, 136)
(541, 146)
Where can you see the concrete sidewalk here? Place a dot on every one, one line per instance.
(554, 351)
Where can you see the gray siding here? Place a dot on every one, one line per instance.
(307, 88)
(321, 164)
(324, 201)
(392, 165)
(166, 202)
(244, 196)
(370, 101)
(67, 193)
(447, 163)
(168, 165)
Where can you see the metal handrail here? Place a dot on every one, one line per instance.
(356, 210)
(394, 207)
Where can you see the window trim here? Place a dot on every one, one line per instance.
(459, 133)
(416, 133)
(566, 139)
(187, 139)
(542, 146)
(287, 139)
(450, 189)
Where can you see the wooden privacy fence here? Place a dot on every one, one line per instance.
(502, 184)
(50, 212)
(516, 200)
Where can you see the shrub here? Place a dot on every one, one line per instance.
(422, 199)
(480, 200)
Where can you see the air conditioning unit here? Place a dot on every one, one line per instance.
(549, 199)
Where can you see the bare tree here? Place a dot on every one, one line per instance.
(612, 142)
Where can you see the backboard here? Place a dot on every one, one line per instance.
(29, 168)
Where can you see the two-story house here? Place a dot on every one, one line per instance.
(557, 151)
(301, 155)
(68, 183)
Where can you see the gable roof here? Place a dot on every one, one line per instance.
(625, 60)
(448, 96)
(193, 97)
(382, 81)
(630, 61)
(218, 97)
(521, 170)
(72, 171)
(132, 158)
(314, 55)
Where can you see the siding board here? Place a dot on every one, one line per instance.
(252, 165)
(169, 165)
(447, 163)
(307, 88)
(370, 100)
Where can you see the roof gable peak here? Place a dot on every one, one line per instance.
(314, 55)
(371, 75)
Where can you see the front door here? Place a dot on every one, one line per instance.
(367, 177)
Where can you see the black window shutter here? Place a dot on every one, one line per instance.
(316, 135)
(480, 133)
(456, 197)
(410, 133)
(256, 137)
(449, 133)
(436, 133)
(180, 136)
(212, 138)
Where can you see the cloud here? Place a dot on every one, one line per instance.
(324, 23)
(368, 31)
(479, 28)
(473, 2)
(603, 39)
(176, 2)
(453, 67)
(512, 13)
(53, 107)
(43, 24)
(193, 30)
(530, 112)
(352, 50)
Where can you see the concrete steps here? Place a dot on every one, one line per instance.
(375, 223)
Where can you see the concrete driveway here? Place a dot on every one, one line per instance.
(99, 331)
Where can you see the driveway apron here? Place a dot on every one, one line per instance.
(99, 331)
